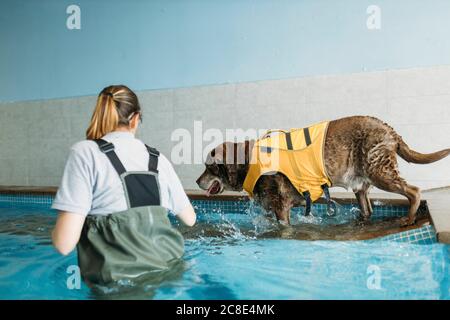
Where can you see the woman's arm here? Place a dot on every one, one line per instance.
(67, 231)
(73, 200)
(188, 216)
(178, 201)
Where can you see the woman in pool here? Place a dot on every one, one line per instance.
(114, 197)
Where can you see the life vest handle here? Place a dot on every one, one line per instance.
(269, 132)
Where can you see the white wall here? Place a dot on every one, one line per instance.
(35, 136)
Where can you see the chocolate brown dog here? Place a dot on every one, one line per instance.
(359, 152)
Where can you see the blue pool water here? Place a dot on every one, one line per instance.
(233, 255)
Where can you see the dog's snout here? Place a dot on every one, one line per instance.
(201, 180)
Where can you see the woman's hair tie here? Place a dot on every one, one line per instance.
(106, 93)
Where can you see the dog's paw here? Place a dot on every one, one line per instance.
(363, 220)
(407, 221)
(284, 223)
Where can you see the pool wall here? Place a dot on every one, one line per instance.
(35, 136)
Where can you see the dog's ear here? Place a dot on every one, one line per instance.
(237, 159)
(235, 153)
(231, 171)
(243, 152)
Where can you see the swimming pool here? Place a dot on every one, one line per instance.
(235, 252)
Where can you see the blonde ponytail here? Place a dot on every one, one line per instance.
(104, 119)
(114, 106)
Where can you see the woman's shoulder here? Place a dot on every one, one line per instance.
(83, 147)
(163, 162)
(162, 159)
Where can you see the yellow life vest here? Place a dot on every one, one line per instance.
(297, 153)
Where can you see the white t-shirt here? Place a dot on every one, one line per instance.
(91, 185)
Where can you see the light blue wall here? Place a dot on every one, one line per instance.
(161, 44)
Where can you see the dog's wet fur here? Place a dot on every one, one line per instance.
(359, 152)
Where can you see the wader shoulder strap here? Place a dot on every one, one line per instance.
(153, 159)
(108, 149)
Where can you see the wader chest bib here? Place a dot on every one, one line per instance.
(130, 243)
(298, 154)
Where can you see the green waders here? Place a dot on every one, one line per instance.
(134, 242)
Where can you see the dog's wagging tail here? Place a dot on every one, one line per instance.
(416, 157)
(359, 152)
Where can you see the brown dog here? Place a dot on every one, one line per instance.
(359, 152)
